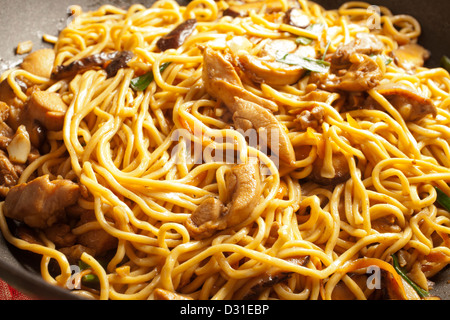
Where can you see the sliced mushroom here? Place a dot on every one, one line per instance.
(111, 62)
(40, 62)
(177, 36)
(48, 108)
(411, 105)
(411, 56)
(266, 68)
(255, 286)
(211, 216)
(340, 168)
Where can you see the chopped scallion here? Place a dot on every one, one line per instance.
(443, 199)
(310, 64)
(141, 83)
(303, 41)
(421, 292)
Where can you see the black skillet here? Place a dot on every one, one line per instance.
(22, 20)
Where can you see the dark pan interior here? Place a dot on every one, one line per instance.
(22, 20)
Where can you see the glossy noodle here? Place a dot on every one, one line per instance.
(195, 206)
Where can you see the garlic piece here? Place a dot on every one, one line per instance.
(20, 146)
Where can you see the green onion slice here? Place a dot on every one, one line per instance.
(141, 83)
(421, 292)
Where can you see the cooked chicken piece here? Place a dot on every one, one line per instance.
(249, 111)
(73, 253)
(243, 187)
(222, 82)
(161, 294)
(207, 219)
(9, 174)
(40, 62)
(311, 118)
(411, 56)
(249, 115)
(61, 235)
(340, 167)
(7, 94)
(48, 108)
(411, 105)
(352, 69)
(6, 134)
(4, 111)
(40, 203)
(364, 43)
(98, 240)
(363, 74)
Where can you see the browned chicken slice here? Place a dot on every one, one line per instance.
(244, 190)
(411, 56)
(40, 203)
(411, 105)
(364, 43)
(61, 235)
(48, 108)
(73, 253)
(363, 74)
(9, 174)
(6, 135)
(222, 81)
(352, 69)
(249, 115)
(207, 219)
(40, 62)
(249, 111)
